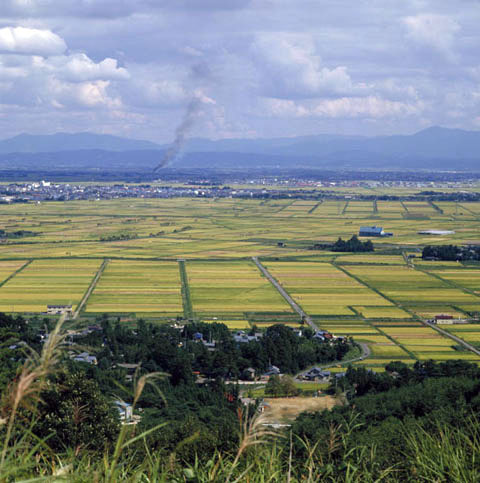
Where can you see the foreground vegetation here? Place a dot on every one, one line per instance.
(57, 424)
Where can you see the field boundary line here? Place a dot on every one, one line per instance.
(467, 209)
(435, 207)
(286, 206)
(453, 337)
(449, 282)
(365, 284)
(91, 287)
(315, 207)
(415, 316)
(25, 265)
(408, 261)
(285, 295)
(186, 299)
(399, 344)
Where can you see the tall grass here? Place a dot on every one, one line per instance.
(262, 456)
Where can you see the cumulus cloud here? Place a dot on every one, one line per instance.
(372, 107)
(338, 63)
(433, 31)
(79, 67)
(290, 67)
(36, 71)
(31, 41)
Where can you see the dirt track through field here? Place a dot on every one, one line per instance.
(285, 295)
(91, 288)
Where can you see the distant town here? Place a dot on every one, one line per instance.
(262, 187)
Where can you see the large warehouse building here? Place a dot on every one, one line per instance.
(373, 231)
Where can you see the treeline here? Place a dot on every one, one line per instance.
(352, 245)
(118, 237)
(451, 252)
(76, 411)
(393, 414)
(16, 234)
(411, 423)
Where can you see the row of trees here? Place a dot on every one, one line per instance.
(76, 408)
(384, 408)
(353, 245)
(451, 252)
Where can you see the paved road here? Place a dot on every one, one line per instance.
(365, 349)
(285, 295)
(90, 289)
(365, 353)
(453, 337)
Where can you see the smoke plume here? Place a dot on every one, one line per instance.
(181, 133)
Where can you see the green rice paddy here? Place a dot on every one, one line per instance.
(376, 298)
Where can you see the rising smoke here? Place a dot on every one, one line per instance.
(191, 114)
(200, 73)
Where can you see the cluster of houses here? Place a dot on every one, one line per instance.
(59, 310)
(317, 374)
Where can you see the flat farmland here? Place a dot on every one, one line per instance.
(126, 286)
(232, 288)
(143, 238)
(371, 259)
(427, 343)
(382, 312)
(465, 278)
(322, 289)
(9, 268)
(410, 287)
(231, 324)
(48, 282)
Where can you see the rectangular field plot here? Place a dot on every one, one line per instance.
(298, 208)
(231, 324)
(375, 259)
(48, 282)
(428, 312)
(419, 207)
(330, 208)
(467, 278)
(470, 308)
(232, 288)
(353, 330)
(410, 287)
(382, 312)
(472, 336)
(387, 350)
(427, 343)
(359, 208)
(322, 289)
(7, 268)
(141, 287)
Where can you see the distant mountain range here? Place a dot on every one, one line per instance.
(434, 148)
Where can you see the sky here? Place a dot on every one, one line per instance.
(252, 68)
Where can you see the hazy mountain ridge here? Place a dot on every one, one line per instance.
(51, 143)
(433, 148)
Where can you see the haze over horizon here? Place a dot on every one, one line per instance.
(259, 68)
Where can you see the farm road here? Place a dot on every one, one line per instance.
(365, 353)
(285, 295)
(90, 289)
(465, 344)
